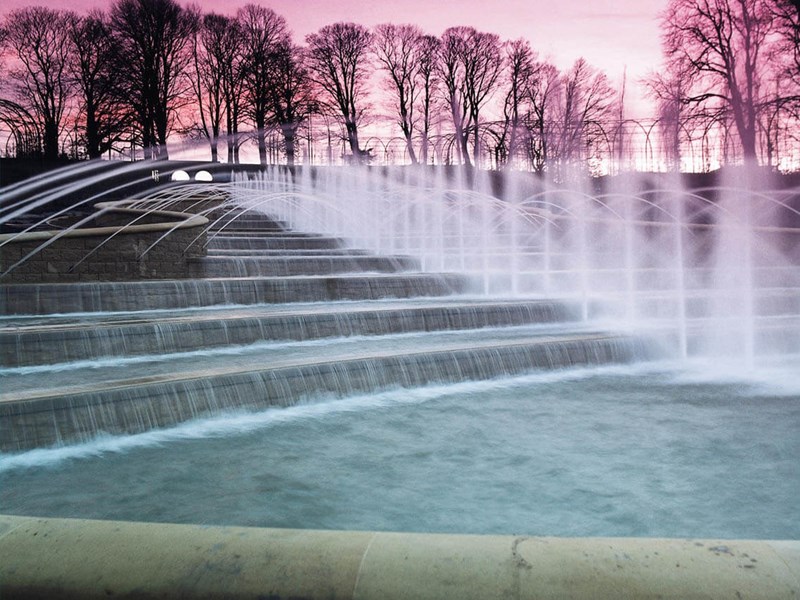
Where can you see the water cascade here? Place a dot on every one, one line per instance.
(405, 349)
(291, 288)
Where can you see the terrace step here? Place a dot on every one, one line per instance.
(49, 298)
(56, 340)
(288, 266)
(124, 404)
(233, 240)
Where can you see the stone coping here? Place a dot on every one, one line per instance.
(77, 558)
(176, 220)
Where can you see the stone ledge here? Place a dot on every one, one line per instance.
(72, 558)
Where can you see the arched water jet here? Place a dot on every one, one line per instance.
(641, 256)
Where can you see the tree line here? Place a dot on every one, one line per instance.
(146, 71)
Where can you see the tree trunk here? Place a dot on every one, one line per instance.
(289, 134)
(92, 135)
(410, 146)
(50, 141)
(214, 148)
(352, 138)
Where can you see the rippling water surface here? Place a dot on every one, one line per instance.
(644, 450)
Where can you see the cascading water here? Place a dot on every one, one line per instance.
(461, 322)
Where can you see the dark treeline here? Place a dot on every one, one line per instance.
(128, 80)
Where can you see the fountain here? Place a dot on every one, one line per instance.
(583, 348)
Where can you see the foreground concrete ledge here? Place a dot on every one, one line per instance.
(71, 558)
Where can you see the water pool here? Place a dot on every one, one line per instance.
(659, 450)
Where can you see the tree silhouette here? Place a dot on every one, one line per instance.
(786, 19)
(428, 69)
(470, 66)
(586, 103)
(265, 33)
(291, 94)
(398, 48)
(105, 116)
(725, 43)
(153, 53)
(339, 61)
(38, 38)
(213, 51)
(520, 70)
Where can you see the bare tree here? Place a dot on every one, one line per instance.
(293, 98)
(153, 48)
(725, 42)
(339, 63)
(428, 69)
(543, 91)
(265, 32)
(398, 48)
(670, 90)
(39, 41)
(106, 118)
(585, 107)
(786, 19)
(520, 69)
(231, 63)
(452, 74)
(470, 68)
(213, 51)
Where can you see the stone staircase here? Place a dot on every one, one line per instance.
(271, 317)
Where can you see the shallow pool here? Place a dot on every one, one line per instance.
(643, 450)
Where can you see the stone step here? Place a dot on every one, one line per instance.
(268, 242)
(22, 299)
(288, 266)
(60, 340)
(257, 234)
(244, 252)
(246, 220)
(68, 414)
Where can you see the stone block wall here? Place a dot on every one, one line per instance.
(103, 257)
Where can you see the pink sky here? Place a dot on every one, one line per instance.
(610, 35)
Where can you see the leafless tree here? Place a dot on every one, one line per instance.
(106, 117)
(520, 70)
(452, 48)
(293, 98)
(669, 91)
(265, 32)
(398, 48)
(470, 68)
(428, 69)
(586, 105)
(39, 84)
(231, 63)
(153, 47)
(339, 65)
(213, 52)
(726, 44)
(544, 90)
(786, 19)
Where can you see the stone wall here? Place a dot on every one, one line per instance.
(104, 255)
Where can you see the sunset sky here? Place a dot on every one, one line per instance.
(610, 35)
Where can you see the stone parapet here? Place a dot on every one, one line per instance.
(66, 558)
(161, 245)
